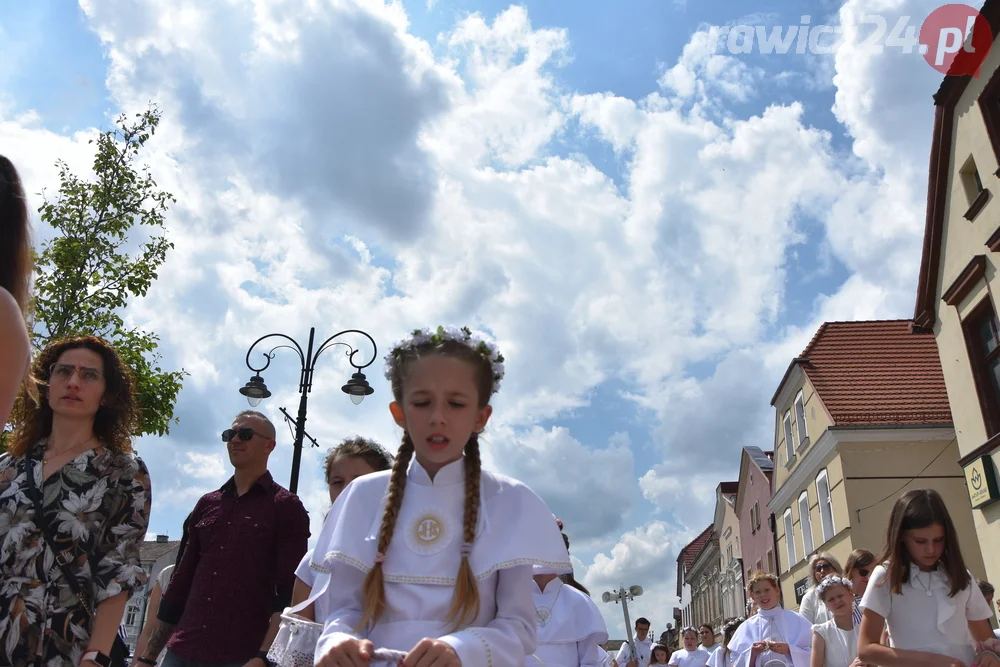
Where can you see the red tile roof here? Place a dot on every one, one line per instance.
(690, 552)
(883, 372)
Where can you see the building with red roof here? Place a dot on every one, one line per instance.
(861, 416)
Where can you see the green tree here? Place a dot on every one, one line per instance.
(96, 264)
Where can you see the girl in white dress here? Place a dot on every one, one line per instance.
(821, 566)
(773, 637)
(570, 628)
(936, 615)
(434, 560)
(660, 656)
(691, 655)
(835, 642)
(352, 458)
(724, 657)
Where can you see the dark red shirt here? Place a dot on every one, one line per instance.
(238, 569)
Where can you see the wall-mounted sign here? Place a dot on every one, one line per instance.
(801, 586)
(981, 479)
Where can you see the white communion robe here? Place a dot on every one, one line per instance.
(570, 628)
(775, 624)
(644, 649)
(514, 532)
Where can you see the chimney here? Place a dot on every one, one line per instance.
(162, 539)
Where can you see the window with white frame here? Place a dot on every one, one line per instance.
(789, 447)
(805, 523)
(800, 419)
(790, 538)
(825, 504)
(729, 555)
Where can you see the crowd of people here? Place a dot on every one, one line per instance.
(424, 558)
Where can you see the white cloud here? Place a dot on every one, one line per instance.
(375, 182)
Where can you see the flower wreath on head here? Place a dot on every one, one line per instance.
(828, 583)
(732, 624)
(476, 341)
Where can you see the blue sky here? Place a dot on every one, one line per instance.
(653, 228)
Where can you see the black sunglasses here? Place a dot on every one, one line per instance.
(246, 433)
(823, 567)
(863, 571)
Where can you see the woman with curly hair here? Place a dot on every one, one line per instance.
(74, 507)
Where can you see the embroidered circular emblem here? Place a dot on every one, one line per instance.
(429, 532)
(542, 616)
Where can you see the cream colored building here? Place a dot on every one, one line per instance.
(958, 282)
(726, 531)
(860, 417)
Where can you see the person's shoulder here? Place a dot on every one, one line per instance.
(498, 485)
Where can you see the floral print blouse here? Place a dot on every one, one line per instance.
(98, 505)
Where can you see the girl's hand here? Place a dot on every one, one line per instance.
(987, 659)
(779, 647)
(350, 652)
(759, 647)
(432, 653)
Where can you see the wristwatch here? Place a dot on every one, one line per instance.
(96, 656)
(263, 656)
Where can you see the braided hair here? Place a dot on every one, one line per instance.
(465, 601)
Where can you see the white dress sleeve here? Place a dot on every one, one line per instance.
(305, 573)
(346, 607)
(510, 636)
(587, 652)
(977, 609)
(877, 597)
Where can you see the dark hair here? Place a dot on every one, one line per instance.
(642, 620)
(15, 236)
(465, 602)
(914, 510)
(706, 625)
(727, 635)
(660, 647)
(116, 421)
(859, 559)
(373, 454)
(569, 579)
(986, 588)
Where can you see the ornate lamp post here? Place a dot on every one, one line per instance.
(623, 595)
(357, 387)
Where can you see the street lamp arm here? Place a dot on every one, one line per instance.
(330, 342)
(270, 354)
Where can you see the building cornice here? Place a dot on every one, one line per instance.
(825, 447)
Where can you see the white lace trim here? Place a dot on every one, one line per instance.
(442, 581)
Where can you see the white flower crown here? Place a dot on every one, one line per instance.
(828, 583)
(732, 624)
(475, 340)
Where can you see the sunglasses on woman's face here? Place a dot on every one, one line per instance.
(824, 567)
(246, 433)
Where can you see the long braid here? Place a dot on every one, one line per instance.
(373, 590)
(465, 604)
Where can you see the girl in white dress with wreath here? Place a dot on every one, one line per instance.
(835, 641)
(773, 637)
(935, 613)
(570, 627)
(434, 560)
(724, 657)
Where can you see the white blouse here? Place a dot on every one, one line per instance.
(515, 531)
(840, 647)
(684, 658)
(923, 617)
(813, 609)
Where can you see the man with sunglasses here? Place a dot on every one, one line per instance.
(225, 599)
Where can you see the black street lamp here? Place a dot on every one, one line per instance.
(357, 387)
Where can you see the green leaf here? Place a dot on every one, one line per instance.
(86, 276)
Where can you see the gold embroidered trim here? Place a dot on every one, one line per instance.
(489, 654)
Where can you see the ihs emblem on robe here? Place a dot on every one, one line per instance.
(542, 616)
(429, 532)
